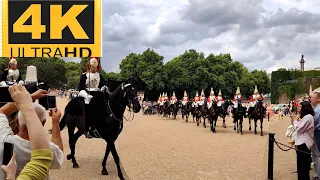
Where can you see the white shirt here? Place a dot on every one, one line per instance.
(14, 74)
(22, 148)
(92, 82)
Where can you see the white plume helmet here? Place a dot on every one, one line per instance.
(211, 92)
(202, 92)
(220, 94)
(31, 75)
(238, 91)
(197, 94)
(256, 90)
(160, 95)
(173, 94)
(166, 95)
(185, 94)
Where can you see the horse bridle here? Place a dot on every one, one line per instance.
(111, 112)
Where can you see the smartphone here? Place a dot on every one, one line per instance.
(7, 153)
(51, 99)
(5, 95)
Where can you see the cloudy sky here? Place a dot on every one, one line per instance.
(262, 34)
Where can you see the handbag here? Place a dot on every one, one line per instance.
(291, 134)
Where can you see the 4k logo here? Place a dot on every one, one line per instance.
(47, 28)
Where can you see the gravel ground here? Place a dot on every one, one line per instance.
(152, 148)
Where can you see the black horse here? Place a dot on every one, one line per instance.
(203, 112)
(222, 111)
(238, 116)
(174, 108)
(213, 115)
(257, 113)
(186, 109)
(108, 109)
(166, 109)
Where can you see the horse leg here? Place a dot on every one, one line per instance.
(255, 126)
(224, 122)
(72, 142)
(261, 122)
(104, 162)
(238, 125)
(241, 121)
(116, 160)
(249, 123)
(204, 122)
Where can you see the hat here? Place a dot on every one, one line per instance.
(220, 94)
(185, 94)
(202, 92)
(31, 75)
(173, 94)
(211, 92)
(95, 62)
(160, 95)
(197, 94)
(13, 60)
(256, 90)
(238, 91)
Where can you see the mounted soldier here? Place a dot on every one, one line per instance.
(90, 84)
(160, 100)
(202, 98)
(220, 99)
(254, 99)
(185, 99)
(211, 98)
(173, 98)
(166, 97)
(11, 75)
(196, 100)
(237, 98)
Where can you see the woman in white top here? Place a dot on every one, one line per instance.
(304, 125)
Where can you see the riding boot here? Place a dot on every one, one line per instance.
(86, 120)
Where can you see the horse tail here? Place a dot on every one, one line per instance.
(63, 122)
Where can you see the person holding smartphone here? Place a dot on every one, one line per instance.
(21, 142)
(304, 126)
(41, 154)
(90, 84)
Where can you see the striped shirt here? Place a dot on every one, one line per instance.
(317, 118)
(304, 131)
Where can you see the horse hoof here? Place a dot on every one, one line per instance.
(234, 129)
(261, 134)
(241, 133)
(104, 172)
(250, 129)
(69, 157)
(75, 165)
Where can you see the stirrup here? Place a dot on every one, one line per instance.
(88, 135)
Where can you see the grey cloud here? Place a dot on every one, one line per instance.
(258, 38)
(291, 17)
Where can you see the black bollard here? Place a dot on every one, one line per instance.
(270, 156)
